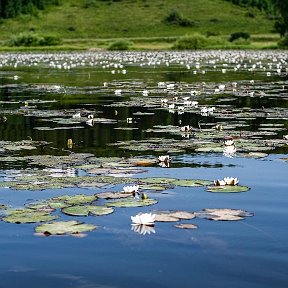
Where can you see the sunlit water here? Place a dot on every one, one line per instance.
(247, 253)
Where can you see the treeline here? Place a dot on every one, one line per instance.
(13, 8)
(265, 5)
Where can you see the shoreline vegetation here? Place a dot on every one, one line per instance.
(257, 41)
(161, 25)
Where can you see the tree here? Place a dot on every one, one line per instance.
(281, 24)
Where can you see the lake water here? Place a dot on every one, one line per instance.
(140, 102)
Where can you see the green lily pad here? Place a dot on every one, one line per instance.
(28, 216)
(153, 187)
(157, 180)
(76, 199)
(256, 155)
(61, 202)
(191, 183)
(228, 189)
(131, 202)
(64, 227)
(3, 207)
(112, 195)
(85, 210)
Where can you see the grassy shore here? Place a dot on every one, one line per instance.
(95, 24)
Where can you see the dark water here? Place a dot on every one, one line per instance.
(248, 253)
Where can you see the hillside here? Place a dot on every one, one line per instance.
(100, 19)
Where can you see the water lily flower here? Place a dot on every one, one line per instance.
(194, 104)
(218, 127)
(144, 219)
(77, 115)
(90, 122)
(131, 189)
(118, 92)
(186, 128)
(165, 158)
(229, 142)
(164, 101)
(231, 181)
(219, 182)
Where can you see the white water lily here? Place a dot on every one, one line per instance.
(229, 142)
(77, 115)
(142, 229)
(219, 182)
(131, 189)
(144, 219)
(186, 128)
(165, 158)
(231, 181)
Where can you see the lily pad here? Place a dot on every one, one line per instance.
(64, 227)
(186, 226)
(228, 189)
(131, 202)
(153, 187)
(85, 210)
(191, 183)
(112, 195)
(76, 199)
(173, 216)
(157, 180)
(224, 214)
(28, 216)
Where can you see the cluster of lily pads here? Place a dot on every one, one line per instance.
(87, 205)
(223, 128)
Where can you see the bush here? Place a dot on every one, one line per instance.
(121, 44)
(89, 3)
(175, 18)
(216, 41)
(191, 42)
(50, 40)
(283, 43)
(236, 35)
(29, 39)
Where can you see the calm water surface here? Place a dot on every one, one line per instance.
(249, 253)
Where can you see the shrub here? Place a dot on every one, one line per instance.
(89, 3)
(241, 41)
(49, 40)
(216, 41)
(236, 35)
(191, 42)
(29, 39)
(120, 44)
(175, 18)
(283, 43)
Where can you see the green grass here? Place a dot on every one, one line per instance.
(141, 21)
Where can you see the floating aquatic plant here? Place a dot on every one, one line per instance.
(225, 214)
(147, 219)
(64, 227)
(131, 202)
(85, 210)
